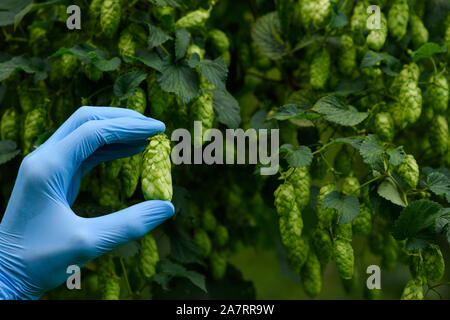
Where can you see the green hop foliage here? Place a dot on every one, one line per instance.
(408, 171)
(344, 258)
(316, 12)
(437, 93)
(409, 72)
(110, 194)
(111, 289)
(95, 9)
(362, 224)
(384, 126)
(130, 174)
(372, 294)
(325, 216)
(351, 185)
(433, 263)
(219, 40)
(359, 17)
(301, 182)
(419, 32)
(297, 254)
(320, 69)
(389, 255)
(347, 57)
(343, 161)
(202, 110)
(31, 94)
(398, 19)
(62, 109)
(10, 125)
(193, 20)
(34, 125)
(285, 199)
(218, 265)
(343, 231)
(203, 242)
(126, 44)
(92, 72)
(38, 40)
(156, 169)
(148, 257)
(312, 275)
(410, 96)
(209, 221)
(108, 282)
(439, 135)
(413, 290)
(110, 17)
(377, 37)
(111, 169)
(193, 48)
(350, 285)
(69, 65)
(221, 236)
(159, 100)
(323, 246)
(291, 226)
(137, 101)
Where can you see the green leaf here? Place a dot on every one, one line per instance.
(226, 108)
(396, 156)
(439, 184)
(259, 121)
(176, 270)
(150, 59)
(355, 142)
(103, 64)
(346, 86)
(8, 150)
(299, 157)
(33, 7)
(14, 5)
(416, 244)
(338, 111)
(290, 111)
(427, 50)
(126, 250)
(215, 72)
(370, 150)
(28, 65)
(182, 40)
(373, 58)
(346, 205)
(415, 219)
(180, 79)
(6, 18)
(126, 85)
(389, 191)
(266, 34)
(166, 3)
(157, 36)
(339, 20)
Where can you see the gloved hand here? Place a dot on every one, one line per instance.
(40, 236)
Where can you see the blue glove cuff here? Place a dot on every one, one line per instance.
(6, 293)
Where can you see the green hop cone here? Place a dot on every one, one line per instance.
(438, 135)
(301, 182)
(126, 44)
(219, 40)
(110, 17)
(389, 255)
(351, 185)
(312, 275)
(384, 126)
(325, 216)
(110, 194)
(437, 93)
(416, 265)
(130, 174)
(31, 94)
(291, 226)
(149, 256)
(399, 114)
(218, 265)
(156, 169)
(323, 246)
(285, 199)
(159, 100)
(359, 17)
(316, 12)
(111, 289)
(209, 221)
(377, 37)
(108, 282)
(419, 32)
(413, 290)
(297, 254)
(69, 65)
(38, 40)
(221, 236)
(194, 19)
(137, 101)
(408, 171)
(398, 19)
(410, 96)
(111, 169)
(34, 125)
(347, 58)
(433, 263)
(409, 72)
(343, 161)
(320, 69)
(202, 110)
(344, 258)
(343, 231)
(362, 224)
(203, 242)
(351, 285)
(10, 125)
(376, 241)
(92, 72)
(95, 9)
(372, 294)
(193, 48)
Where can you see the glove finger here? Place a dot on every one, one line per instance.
(128, 224)
(92, 135)
(85, 114)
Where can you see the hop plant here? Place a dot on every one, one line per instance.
(389, 256)
(110, 17)
(291, 226)
(221, 235)
(202, 240)
(323, 246)
(377, 37)
(439, 135)
(69, 65)
(9, 126)
(34, 125)
(111, 169)
(384, 126)
(419, 32)
(301, 182)
(285, 199)
(343, 162)
(297, 254)
(156, 169)
(325, 216)
(320, 69)
(433, 263)
(111, 289)
(408, 171)
(344, 258)
(351, 185)
(343, 231)
(410, 96)
(202, 110)
(362, 224)
(312, 275)
(130, 174)
(193, 20)
(218, 265)
(92, 72)
(109, 283)
(316, 12)
(219, 40)
(159, 100)
(413, 290)
(347, 57)
(149, 256)
(137, 101)
(209, 221)
(398, 19)
(110, 194)
(437, 93)
(359, 17)
(126, 44)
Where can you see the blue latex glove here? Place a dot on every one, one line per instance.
(40, 235)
